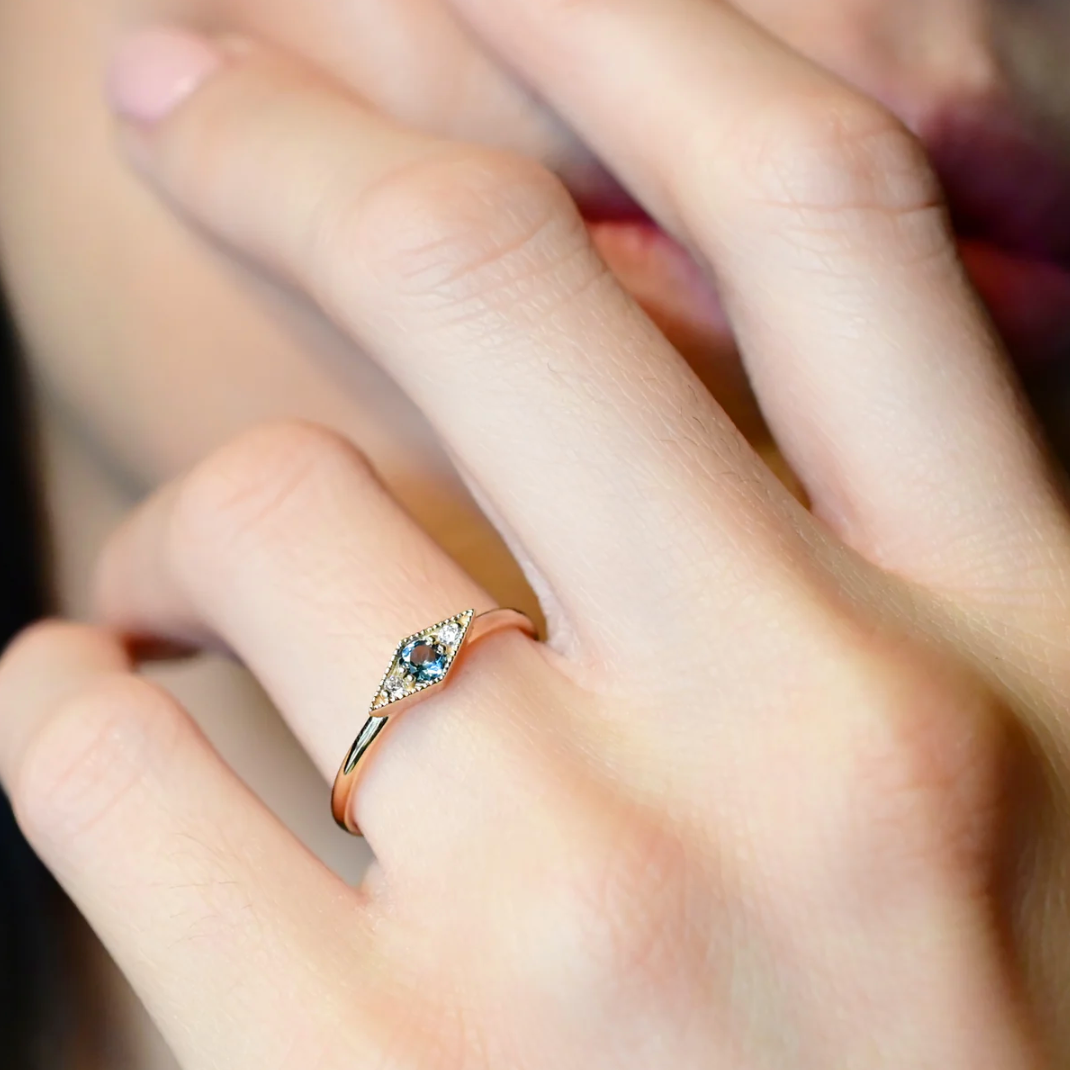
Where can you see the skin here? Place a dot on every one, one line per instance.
(919, 650)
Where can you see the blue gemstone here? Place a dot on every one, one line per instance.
(424, 660)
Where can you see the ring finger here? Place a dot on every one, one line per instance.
(286, 549)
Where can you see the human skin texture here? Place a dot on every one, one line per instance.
(162, 353)
(723, 668)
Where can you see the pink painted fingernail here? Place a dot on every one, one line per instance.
(155, 70)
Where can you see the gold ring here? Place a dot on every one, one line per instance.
(421, 661)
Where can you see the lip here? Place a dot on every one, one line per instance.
(1003, 185)
(1009, 200)
(1028, 299)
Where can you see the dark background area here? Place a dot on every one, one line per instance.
(33, 977)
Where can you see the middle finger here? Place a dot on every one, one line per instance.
(881, 377)
(470, 275)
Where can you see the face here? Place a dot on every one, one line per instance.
(161, 349)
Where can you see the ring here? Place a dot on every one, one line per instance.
(420, 662)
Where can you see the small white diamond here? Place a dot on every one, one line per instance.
(450, 633)
(395, 686)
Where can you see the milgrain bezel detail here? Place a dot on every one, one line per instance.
(383, 698)
(465, 629)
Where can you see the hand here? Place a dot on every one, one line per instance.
(759, 800)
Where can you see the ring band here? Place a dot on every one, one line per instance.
(420, 662)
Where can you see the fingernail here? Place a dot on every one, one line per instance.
(155, 70)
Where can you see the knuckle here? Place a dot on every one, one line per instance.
(435, 1031)
(455, 227)
(250, 492)
(85, 763)
(624, 915)
(918, 773)
(822, 163)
